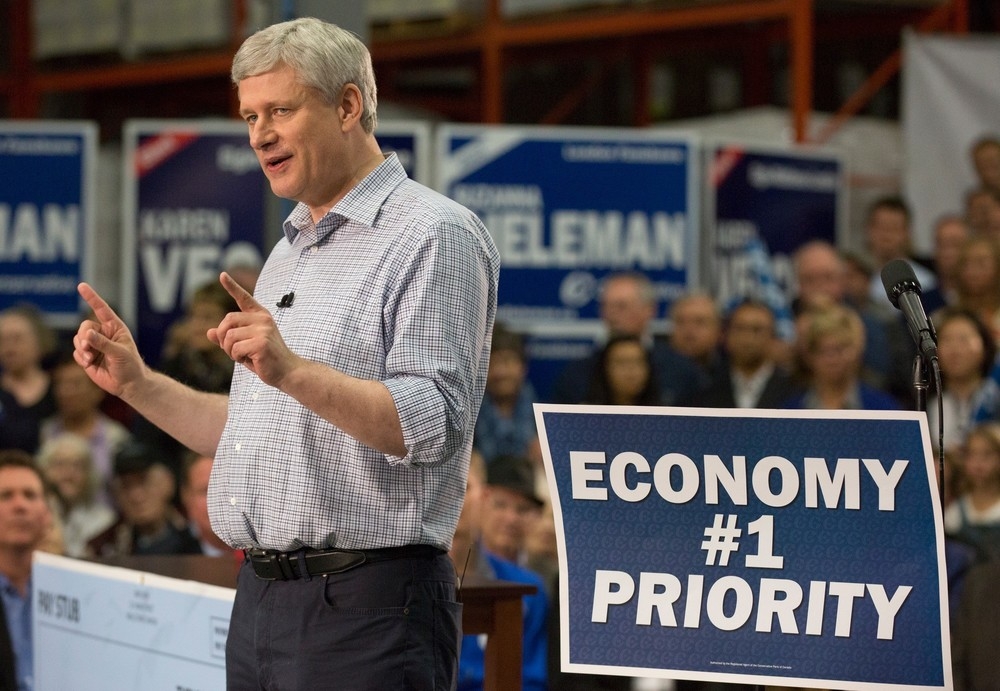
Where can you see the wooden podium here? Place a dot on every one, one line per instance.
(494, 608)
(490, 607)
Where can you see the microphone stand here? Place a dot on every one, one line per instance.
(920, 383)
(920, 386)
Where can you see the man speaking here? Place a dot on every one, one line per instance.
(342, 450)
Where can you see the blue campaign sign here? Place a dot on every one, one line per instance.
(410, 140)
(46, 214)
(775, 199)
(194, 204)
(569, 206)
(792, 548)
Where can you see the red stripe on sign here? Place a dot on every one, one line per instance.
(157, 149)
(725, 160)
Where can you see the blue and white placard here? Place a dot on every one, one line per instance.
(769, 199)
(46, 214)
(410, 140)
(799, 549)
(194, 202)
(568, 206)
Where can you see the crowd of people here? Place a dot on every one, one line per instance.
(851, 350)
(84, 476)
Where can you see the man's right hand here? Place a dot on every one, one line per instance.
(105, 347)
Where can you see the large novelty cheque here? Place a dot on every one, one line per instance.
(799, 548)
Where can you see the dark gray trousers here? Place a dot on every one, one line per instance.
(384, 625)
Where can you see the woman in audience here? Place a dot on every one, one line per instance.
(506, 422)
(65, 461)
(978, 280)
(832, 341)
(966, 351)
(78, 411)
(974, 516)
(25, 387)
(950, 234)
(624, 374)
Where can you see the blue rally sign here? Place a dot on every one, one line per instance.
(774, 547)
(410, 140)
(568, 206)
(772, 200)
(46, 214)
(194, 204)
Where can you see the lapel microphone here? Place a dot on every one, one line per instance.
(286, 300)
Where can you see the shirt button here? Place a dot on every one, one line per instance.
(232, 500)
(238, 447)
(256, 395)
(314, 249)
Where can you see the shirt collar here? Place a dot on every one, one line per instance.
(360, 205)
(7, 588)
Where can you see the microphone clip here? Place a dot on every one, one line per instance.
(286, 300)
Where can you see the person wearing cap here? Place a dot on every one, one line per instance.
(511, 503)
(506, 503)
(148, 523)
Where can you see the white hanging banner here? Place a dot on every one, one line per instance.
(951, 98)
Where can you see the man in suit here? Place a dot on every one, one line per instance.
(749, 378)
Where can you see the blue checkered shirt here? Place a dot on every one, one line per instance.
(398, 284)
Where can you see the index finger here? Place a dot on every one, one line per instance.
(244, 300)
(101, 309)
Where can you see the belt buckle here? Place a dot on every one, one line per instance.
(274, 567)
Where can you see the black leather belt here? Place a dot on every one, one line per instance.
(270, 565)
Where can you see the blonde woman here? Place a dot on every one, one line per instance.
(66, 462)
(831, 348)
(977, 280)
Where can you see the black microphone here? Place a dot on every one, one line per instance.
(286, 300)
(903, 289)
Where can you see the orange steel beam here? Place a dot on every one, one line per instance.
(572, 100)
(632, 22)
(129, 74)
(619, 23)
(491, 65)
(960, 16)
(942, 17)
(800, 38)
(28, 85)
(24, 98)
(494, 35)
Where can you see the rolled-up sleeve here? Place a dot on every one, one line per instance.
(440, 317)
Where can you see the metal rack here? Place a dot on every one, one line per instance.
(492, 44)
